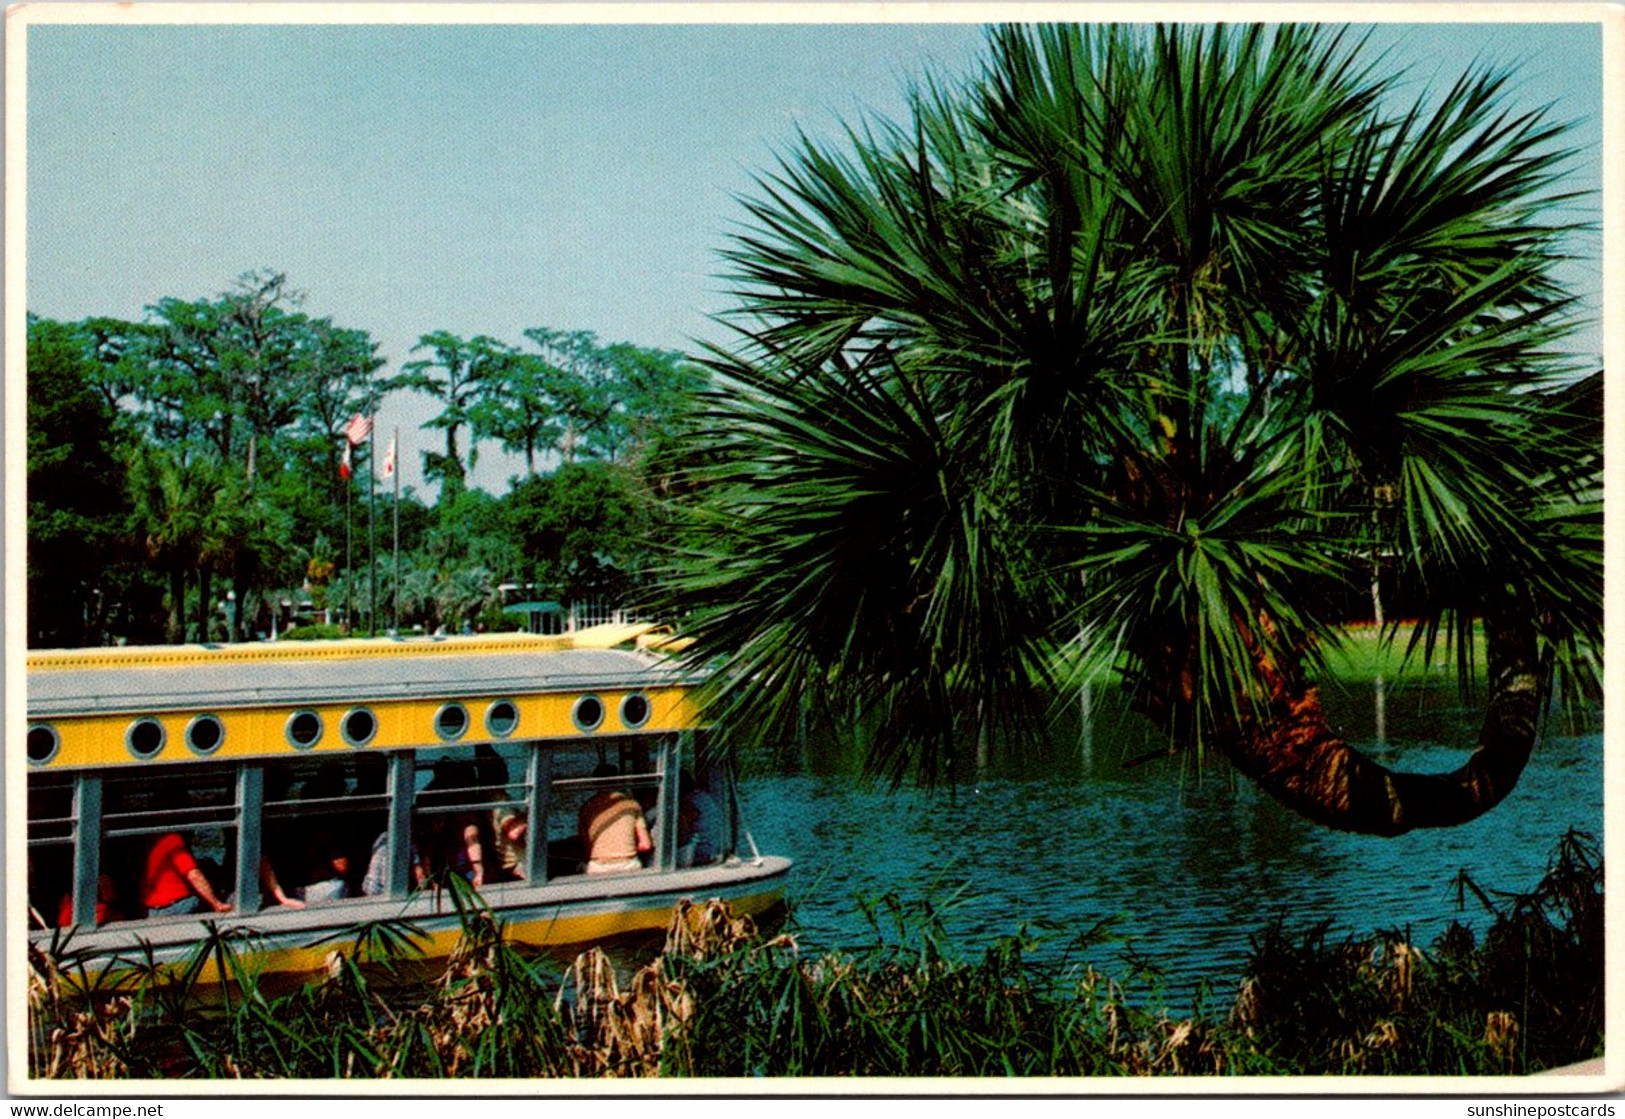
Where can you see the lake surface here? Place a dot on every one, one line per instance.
(1186, 866)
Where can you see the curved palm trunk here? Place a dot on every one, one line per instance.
(1299, 760)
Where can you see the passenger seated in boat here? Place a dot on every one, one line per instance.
(325, 869)
(613, 830)
(273, 885)
(106, 894)
(456, 840)
(450, 843)
(329, 873)
(467, 856)
(649, 800)
(699, 822)
(512, 828)
(278, 843)
(376, 881)
(172, 883)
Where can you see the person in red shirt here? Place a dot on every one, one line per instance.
(173, 883)
(104, 904)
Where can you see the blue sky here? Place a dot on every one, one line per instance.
(487, 179)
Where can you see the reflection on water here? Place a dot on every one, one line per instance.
(1187, 867)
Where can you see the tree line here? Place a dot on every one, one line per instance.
(184, 477)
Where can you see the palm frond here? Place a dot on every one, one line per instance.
(1191, 318)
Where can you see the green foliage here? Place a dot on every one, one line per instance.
(1529, 996)
(845, 525)
(454, 376)
(721, 1001)
(75, 505)
(492, 619)
(1153, 335)
(583, 529)
(313, 633)
(465, 593)
(515, 408)
(614, 401)
(224, 417)
(245, 367)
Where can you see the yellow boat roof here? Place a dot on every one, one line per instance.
(610, 635)
(84, 681)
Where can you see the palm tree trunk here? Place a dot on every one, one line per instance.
(1299, 760)
(204, 589)
(239, 591)
(175, 626)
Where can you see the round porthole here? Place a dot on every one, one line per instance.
(451, 722)
(501, 718)
(588, 713)
(144, 738)
(43, 743)
(634, 711)
(359, 726)
(204, 734)
(303, 729)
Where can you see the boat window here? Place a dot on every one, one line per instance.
(451, 721)
(322, 821)
(304, 729)
(634, 710)
(501, 718)
(50, 847)
(158, 826)
(145, 738)
(588, 713)
(43, 743)
(359, 726)
(708, 807)
(466, 797)
(204, 734)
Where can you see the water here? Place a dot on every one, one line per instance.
(1186, 867)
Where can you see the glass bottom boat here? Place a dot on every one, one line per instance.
(343, 785)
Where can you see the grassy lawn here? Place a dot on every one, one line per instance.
(1367, 652)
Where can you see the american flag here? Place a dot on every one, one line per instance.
(358, 429)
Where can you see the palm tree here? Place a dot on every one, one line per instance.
(171, 498)
(1153, 334)
(251, 538)
(464, 593)
(417, 593)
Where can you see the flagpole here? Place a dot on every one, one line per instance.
(395, 470)
(349, 551)
(372, 528)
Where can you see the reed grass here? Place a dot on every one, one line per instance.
(724, 1000)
